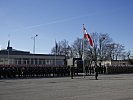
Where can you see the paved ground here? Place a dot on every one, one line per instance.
(108, 87)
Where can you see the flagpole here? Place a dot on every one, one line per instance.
(86, 36)
(55, 52)
(55, 60)
(83, 58)
(8, 48)
(83, 55)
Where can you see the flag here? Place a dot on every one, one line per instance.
(87, 36)
(56, 46)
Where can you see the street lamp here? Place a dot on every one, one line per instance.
(34, 38)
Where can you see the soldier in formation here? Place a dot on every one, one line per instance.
(7, 71)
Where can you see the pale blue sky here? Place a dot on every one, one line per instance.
(63, 19)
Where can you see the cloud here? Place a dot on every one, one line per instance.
(55, 22)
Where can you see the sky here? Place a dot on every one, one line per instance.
(51, 20)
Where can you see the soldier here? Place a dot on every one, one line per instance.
(86, 70)
(4, 72)
(0, 71)
(104, 68)
(96, 71)
(90, 70)
(68, 70)
(72, 72)
(20, 72)
(13, 74)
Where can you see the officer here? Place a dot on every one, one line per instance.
(96, 73)
(72, 71)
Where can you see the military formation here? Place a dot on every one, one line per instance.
(92, 69)
(33, 71)
(21, 71)
(119, 69)
(17, 71)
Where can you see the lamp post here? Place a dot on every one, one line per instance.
(34, 38)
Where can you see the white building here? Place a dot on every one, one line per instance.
(17, 57)
(116, 62)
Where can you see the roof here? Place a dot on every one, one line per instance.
(11, 51)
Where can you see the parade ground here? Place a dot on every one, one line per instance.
(107, 87)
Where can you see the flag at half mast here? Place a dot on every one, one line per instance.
(87, 36)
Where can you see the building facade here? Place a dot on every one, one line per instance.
(17, 57)
(116, 63)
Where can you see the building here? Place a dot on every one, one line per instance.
(116, 62)
(17, 57)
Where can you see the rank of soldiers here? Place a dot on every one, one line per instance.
(21, 71)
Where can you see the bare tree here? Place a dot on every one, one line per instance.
(100, 50)
(65, 48)
(103, 48)
(117, 51)
(62, 48)
(77, 48)
(56, 49)
(128, 54)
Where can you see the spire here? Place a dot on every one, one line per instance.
(8, 47)
(8, 43)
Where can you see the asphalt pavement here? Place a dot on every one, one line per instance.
(107, 87)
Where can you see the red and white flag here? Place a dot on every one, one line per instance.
(87, 36)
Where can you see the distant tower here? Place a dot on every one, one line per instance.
(8, 44)
(8, 47)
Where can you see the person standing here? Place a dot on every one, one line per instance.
(72, 71)
(96, 71)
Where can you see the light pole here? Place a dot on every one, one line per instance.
(34, 38)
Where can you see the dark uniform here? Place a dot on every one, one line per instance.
(96, 72)
(72, 72)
